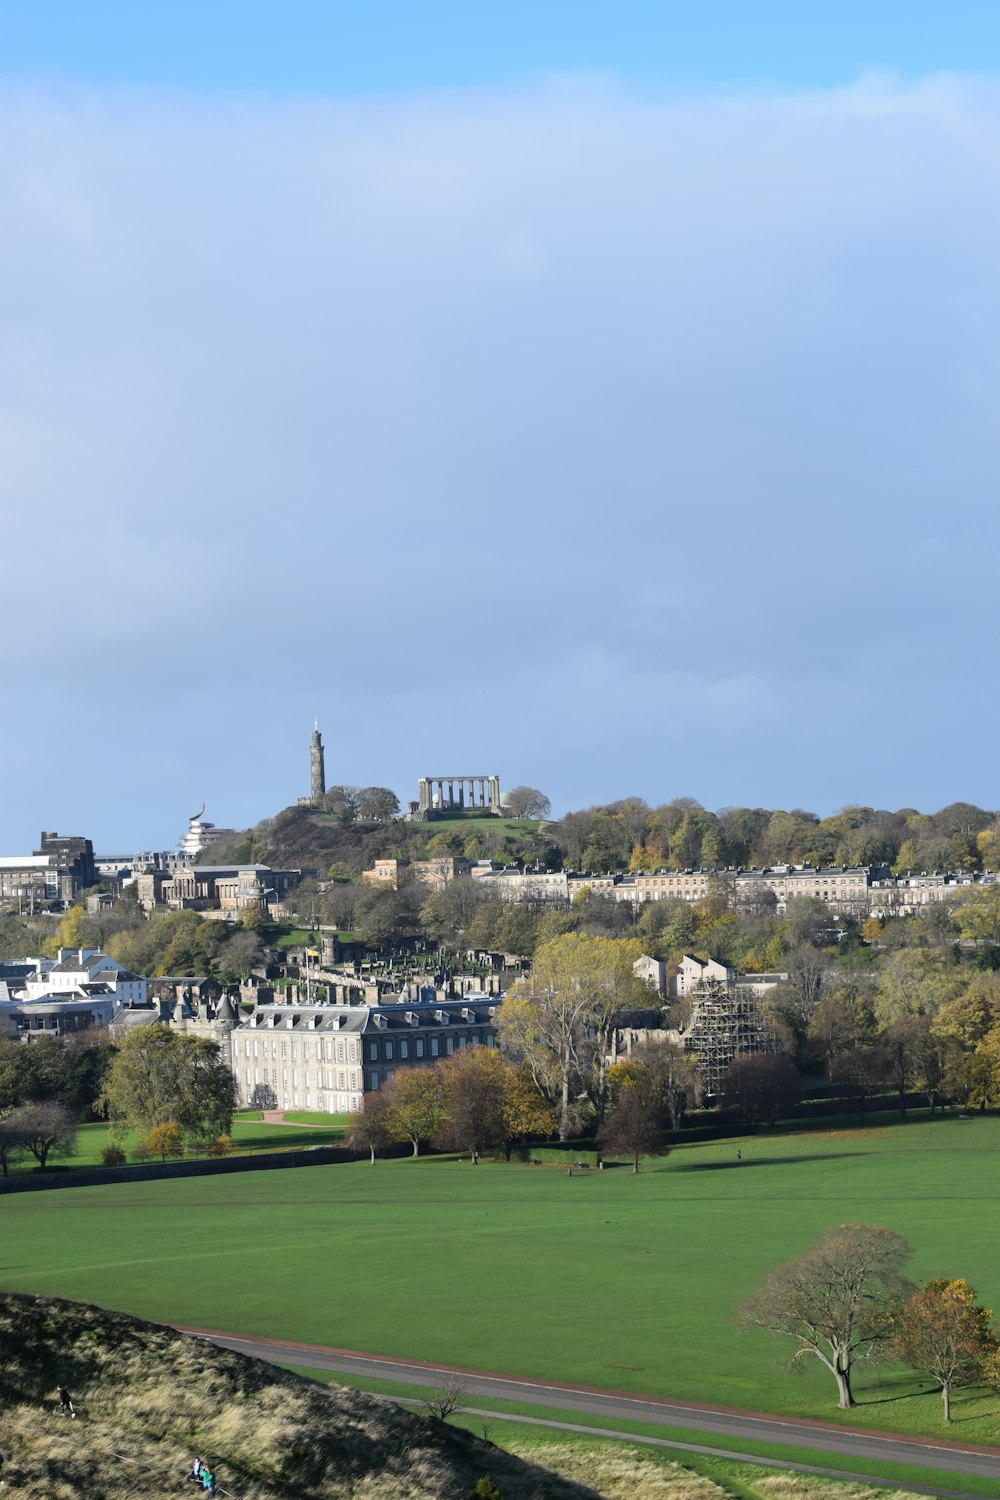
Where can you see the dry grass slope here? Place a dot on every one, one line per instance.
(149, 1399)
(628, 1474)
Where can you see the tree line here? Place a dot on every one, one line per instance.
(353, 827)
(174, 1090)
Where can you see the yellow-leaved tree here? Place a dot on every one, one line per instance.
(560, 1019)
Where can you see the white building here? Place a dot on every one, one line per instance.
(83, 974)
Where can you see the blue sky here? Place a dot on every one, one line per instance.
(601, 396)
(380, 46)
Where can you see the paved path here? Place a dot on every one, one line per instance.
(947, 1455)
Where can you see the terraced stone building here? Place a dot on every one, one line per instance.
(327, 1057)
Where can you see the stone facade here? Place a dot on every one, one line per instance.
(226, 888)
(327, 1057)
(317, 766)
(435, 873)
(443, 796)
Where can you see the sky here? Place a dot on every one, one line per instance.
(601, 396)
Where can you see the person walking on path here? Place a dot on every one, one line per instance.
(65, 1401)
(207, 1480)
(194, 1477)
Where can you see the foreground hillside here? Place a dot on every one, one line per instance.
(149, 1399)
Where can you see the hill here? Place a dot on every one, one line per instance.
(304, 836)
(148, 1399)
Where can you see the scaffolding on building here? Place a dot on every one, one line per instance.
(726, 1021)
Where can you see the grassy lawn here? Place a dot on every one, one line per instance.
(604, 1279)
(337, 1123)
(249, 1132)
(515, 827)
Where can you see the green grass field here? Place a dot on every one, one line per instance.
(604, 1279)
(509, 827)
(249, 1132)
(336, 1123)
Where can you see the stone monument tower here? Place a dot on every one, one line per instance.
(317, 769)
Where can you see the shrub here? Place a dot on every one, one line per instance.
(223, 1145)
(164, 1140)
(113, 1156)
(486, 1490)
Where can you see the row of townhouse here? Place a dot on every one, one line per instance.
(847, 890)
(327, 1057)
(843, 889)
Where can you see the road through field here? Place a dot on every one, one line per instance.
(941, 1454)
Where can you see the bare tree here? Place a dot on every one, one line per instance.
(46, 1127)
(838, 1301)
(635, 1126)
(807, 974)
(448, 1397)
(677, 1075)
(761, 1087)
(527, 802)
(371, 1130)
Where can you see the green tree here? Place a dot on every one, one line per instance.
(159, 1075)
(559, 1020)
(383, 917)
(978, 917)
(415, 1101)
(942, 1330)
(377, 804)
(914, 982)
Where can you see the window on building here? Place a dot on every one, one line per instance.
(388, 1052)
(435, 1046)
(404, 1049)
(373, 1080)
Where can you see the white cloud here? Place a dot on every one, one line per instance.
(337, 400)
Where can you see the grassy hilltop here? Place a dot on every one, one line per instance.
(149, 1399)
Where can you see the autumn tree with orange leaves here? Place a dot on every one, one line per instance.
(941, 1329)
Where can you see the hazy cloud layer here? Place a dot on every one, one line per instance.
(615, 443)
